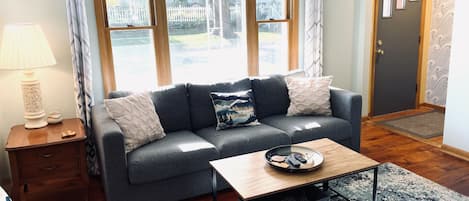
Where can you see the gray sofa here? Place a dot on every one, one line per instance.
(176, 167)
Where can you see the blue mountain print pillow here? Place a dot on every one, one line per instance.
(234, 109)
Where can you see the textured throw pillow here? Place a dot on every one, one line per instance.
(136, 116)
(309, 96)
(234, 109)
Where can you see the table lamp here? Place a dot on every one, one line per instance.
(24, 47)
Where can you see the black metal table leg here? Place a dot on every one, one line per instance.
(375, 182)
(214, 184)
(325, 186)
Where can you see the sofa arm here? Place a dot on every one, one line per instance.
(348, 105)
(111, 153)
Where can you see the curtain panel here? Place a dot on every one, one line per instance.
(313, 54)
(81, 60)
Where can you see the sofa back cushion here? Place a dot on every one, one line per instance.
(201, 106)
(271, 95)
(171, 104)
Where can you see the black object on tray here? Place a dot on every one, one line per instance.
(292, 158)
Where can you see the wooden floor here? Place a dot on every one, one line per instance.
(423, 159)
(384, 146)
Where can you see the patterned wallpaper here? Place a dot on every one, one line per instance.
(439, 53)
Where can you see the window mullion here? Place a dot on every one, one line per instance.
(153, 13)
(107, 66)
(154, 27)
(129, 28)
(293, 34)
(272, 21)
(162, 43)
(252, 38)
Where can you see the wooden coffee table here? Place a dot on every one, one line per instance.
(251, 177)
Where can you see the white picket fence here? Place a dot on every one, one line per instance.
(122, 16)
(187, 14)
(139, 16)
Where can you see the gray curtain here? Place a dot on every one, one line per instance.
(313, 54)
(81, 60)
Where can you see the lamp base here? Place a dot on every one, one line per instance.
(35, 121)
(33, 112)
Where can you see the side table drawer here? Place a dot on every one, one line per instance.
(48, 154)
(54, 170)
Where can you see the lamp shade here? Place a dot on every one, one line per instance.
(24, 46)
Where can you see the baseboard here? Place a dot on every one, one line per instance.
(436, 107)
(366, 118)
(455, 152)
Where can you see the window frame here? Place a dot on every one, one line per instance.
(159, 26)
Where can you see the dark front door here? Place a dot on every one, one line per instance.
(396, 55)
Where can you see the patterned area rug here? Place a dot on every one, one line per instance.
(426, 125)
(394, 184)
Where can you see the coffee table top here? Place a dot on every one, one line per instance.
(253, 178)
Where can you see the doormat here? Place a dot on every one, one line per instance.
(426, 125)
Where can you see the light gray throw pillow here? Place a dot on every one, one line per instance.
(136, 116)
(309, 96)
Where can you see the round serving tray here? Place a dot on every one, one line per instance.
(274, 158)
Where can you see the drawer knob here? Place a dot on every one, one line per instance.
(50, 168)
(47, 155)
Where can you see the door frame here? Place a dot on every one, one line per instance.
(425, 20)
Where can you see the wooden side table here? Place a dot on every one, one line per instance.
(42, 162)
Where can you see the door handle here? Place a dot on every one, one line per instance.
(380, 51)
(380, 43)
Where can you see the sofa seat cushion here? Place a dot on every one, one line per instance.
(306, 128)
(178, 153)
(243, 140)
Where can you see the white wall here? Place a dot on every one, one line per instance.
(339, 16)
(456, 133)
(347, 44)
(362, 51)
(56, 81)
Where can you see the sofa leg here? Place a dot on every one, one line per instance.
(214, 184)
